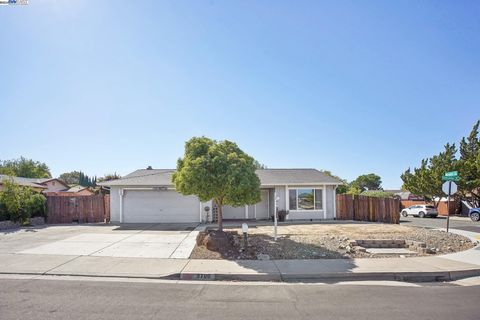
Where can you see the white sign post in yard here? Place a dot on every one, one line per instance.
(449, 188)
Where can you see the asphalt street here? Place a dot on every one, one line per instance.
(61, 299)
(441, 222)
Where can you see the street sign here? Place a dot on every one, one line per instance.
(449, 185)
(451, 174)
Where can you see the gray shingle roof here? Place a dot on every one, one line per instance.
(163, 177)
(26, 182)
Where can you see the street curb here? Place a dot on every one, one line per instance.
(433, 276)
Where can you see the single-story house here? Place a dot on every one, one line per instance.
(81, 190)
(149, 196)
(44, 185)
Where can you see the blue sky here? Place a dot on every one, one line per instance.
(349, 86)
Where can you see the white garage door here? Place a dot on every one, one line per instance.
(147, 206)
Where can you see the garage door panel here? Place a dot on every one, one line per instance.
(148, 206)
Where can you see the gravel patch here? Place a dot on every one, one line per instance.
(322, 242)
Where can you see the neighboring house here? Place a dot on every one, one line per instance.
(44, 185)
(73, 191)
(148, 195)
(80, 190)
(52, 184)
(24, 182)
(404, 195)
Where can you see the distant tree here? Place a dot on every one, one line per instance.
(377, 193)
(426, 180)
(72, 177)
(79, 178)
(341, 189)
(354, 189)
(259, 165)
(366, 182)
(26, 168)
(109, 176)
(217, 170)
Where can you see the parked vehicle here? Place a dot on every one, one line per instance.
(474, 214)
(420, 211)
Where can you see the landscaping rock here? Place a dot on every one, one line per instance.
(312, 242)
(7, 224)
(37, 221)
(263, 256)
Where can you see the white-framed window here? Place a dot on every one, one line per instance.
(308, 199)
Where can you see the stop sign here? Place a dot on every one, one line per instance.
(453, 187)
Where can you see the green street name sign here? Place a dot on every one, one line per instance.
(451, 176)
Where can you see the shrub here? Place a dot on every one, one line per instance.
(3, 212)
(15, 201)
(37, 205)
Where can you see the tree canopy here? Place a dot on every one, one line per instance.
(426, 180)
(26, 168)
(78, 177)
(217, 170)
(365, 182)
(109, 176)
(341, 188)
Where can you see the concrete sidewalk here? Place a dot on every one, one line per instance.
(405, 269)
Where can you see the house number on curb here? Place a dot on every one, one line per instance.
(203, 276)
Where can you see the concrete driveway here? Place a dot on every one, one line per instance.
(129, 241)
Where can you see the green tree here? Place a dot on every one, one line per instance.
(26, 168)
(109, 176)
(341, 189)
(469, 166)
(217, 170)
(377, 193)
(426, 180)
(366, 182)
(16, 200)
(72, 177)
(259, 165)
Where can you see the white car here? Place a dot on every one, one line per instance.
(420, 211)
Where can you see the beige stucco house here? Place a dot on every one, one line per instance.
(149, 196)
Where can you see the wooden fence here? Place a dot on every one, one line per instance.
(81, 209)
(365, 208)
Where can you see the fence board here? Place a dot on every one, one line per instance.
(81, 209)
(365, 208)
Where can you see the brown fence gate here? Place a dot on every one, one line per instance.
(365, 208)
(81, 209)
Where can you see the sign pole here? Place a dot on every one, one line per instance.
(448, 203)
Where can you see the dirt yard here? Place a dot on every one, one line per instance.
(319, 241)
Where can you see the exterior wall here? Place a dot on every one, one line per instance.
(282, 201)
(330, 205)
(328, 211)
(114, 204)
(84, 192)
(280, 191)
(54, 186)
